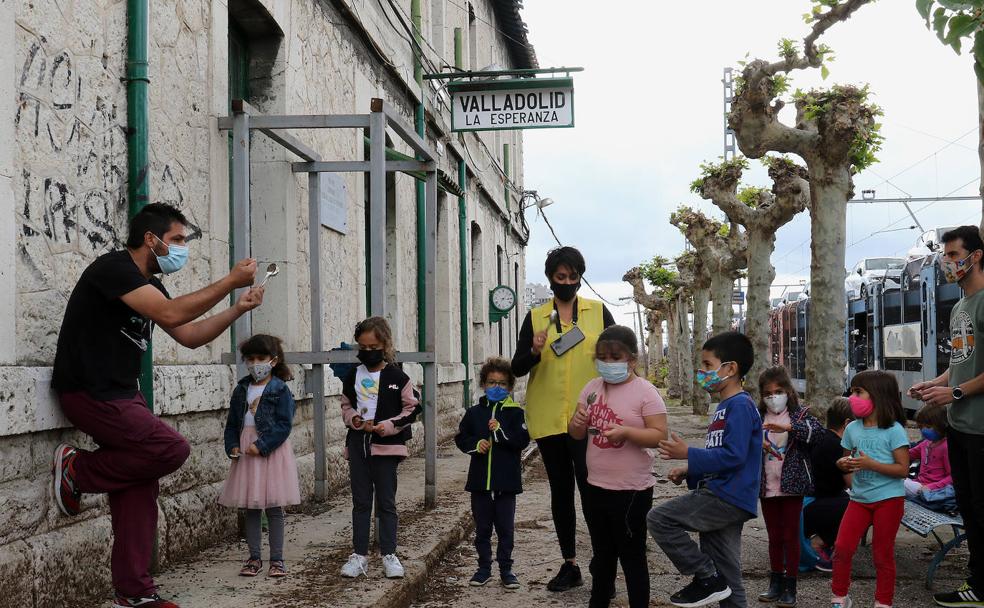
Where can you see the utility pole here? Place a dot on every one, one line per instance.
(730, 148)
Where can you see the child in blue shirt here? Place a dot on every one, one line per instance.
(876, 452)
(724, 479)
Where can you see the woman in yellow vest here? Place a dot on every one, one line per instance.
(556, 347)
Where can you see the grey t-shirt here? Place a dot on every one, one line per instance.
(966, 362)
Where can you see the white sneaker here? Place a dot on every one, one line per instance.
(392, 567)
(355, 566)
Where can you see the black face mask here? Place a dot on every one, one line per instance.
(370, 358)
(565, 292)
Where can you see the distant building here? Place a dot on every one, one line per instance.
(536, 294)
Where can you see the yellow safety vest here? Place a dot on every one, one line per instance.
(556, 382)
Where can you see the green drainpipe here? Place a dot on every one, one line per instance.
(463, 247)
(505, 166)
(138, 142)
(418, 74)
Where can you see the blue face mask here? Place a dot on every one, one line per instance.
(176, 258)
(613, 372)
(495, 394)
(930, 434)
(709, 380)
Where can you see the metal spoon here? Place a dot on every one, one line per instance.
(271, 271)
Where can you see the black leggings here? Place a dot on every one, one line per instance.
(617, 522)
(563, 458)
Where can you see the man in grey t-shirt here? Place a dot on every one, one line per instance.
(961, 389)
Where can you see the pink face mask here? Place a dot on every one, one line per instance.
(861, 407)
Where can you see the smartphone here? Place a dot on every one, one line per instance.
(567, 341)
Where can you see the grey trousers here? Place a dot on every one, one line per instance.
(372, 476)
(275, 522)
(718, 525)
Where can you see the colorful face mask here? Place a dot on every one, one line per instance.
(954, 271)
(174, 260)
(930, 434)
(709, 380)
(260, 371)
(776, 403)
(861, 407)
(495, 394)
(613, 372)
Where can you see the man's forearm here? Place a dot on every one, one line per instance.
(202, 332)
(943, 379)
(190, 306)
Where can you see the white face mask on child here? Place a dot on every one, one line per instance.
(260, 370)
(776, 403)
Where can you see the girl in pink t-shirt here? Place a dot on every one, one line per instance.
(624, 417)
(933, 486)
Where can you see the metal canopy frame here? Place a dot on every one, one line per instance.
(245, 119)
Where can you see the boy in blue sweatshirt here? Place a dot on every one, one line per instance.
(723, 478)
(494, 433)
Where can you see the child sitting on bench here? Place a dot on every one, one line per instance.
(933, 485)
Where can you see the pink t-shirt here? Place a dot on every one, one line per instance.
(620, 465)
(934, 468)
(773, 455)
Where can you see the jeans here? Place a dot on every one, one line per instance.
(718, 525)
(564, 460)
(275, 523)
(372, 476)
(966, 453)
(135, 450)
(494, 510)
(617, 523)
(884, 517)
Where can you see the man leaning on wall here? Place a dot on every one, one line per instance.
(106, 329)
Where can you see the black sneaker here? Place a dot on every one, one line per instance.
(509, 580)
(568, 578)
(964, 596)
(701, 592)
(480, 577)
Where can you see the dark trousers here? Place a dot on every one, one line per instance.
(823, 516)
(782, 517)
(718, 525)
(135, 450)
(564, 460)
(617, 523)
(275, 525)
(966, 453)
(372, 476)
(494, 510)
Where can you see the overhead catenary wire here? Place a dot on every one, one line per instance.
(586, 282)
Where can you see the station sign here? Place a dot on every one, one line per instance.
(518, 103)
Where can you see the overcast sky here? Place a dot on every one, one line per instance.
(648, 110)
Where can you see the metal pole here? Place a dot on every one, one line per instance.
(430, 369)
(423, 319)
(464, 303)
(316, 383)
(642, 336)
(240, 220)
(377, 211)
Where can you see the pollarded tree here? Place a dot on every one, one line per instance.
(954, 22)
(654, 342)
(694, 274)
(761, 212)
(724, 253)
(836, 134)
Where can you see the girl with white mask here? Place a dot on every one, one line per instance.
(789, 433)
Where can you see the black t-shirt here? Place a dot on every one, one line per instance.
(828, 479)
(102, 339)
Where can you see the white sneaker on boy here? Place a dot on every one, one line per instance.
(355, 566)
(392, 567)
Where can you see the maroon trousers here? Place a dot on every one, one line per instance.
(135, 450)
(782, 524)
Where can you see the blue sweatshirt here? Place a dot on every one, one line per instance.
(730, 464)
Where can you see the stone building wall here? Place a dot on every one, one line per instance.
(63, 181)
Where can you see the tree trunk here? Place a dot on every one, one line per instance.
(654, 344)
(980, 142)
(672, 353)
(760, 277)
(702, 400)
(721, 290)
(682, 309)
(830, 188)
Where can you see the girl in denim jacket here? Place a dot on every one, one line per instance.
(263, 475)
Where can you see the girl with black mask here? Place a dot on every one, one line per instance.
(556, 347)
(379, 404)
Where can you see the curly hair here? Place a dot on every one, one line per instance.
(499, 365)
(384, 334)
(264, 345)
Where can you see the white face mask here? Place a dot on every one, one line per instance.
(776, 403)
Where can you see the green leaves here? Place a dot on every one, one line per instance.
(960, 25)
(924, 7)
(954, 21)
(939, 23)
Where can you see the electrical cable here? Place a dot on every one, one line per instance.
(586, 282)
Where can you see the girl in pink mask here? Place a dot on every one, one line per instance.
(876, 451)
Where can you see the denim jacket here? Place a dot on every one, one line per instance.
(274, 415)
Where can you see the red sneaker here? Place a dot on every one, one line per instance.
(144, 601)
(67, 494)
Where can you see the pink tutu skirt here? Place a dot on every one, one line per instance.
(258, 482)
